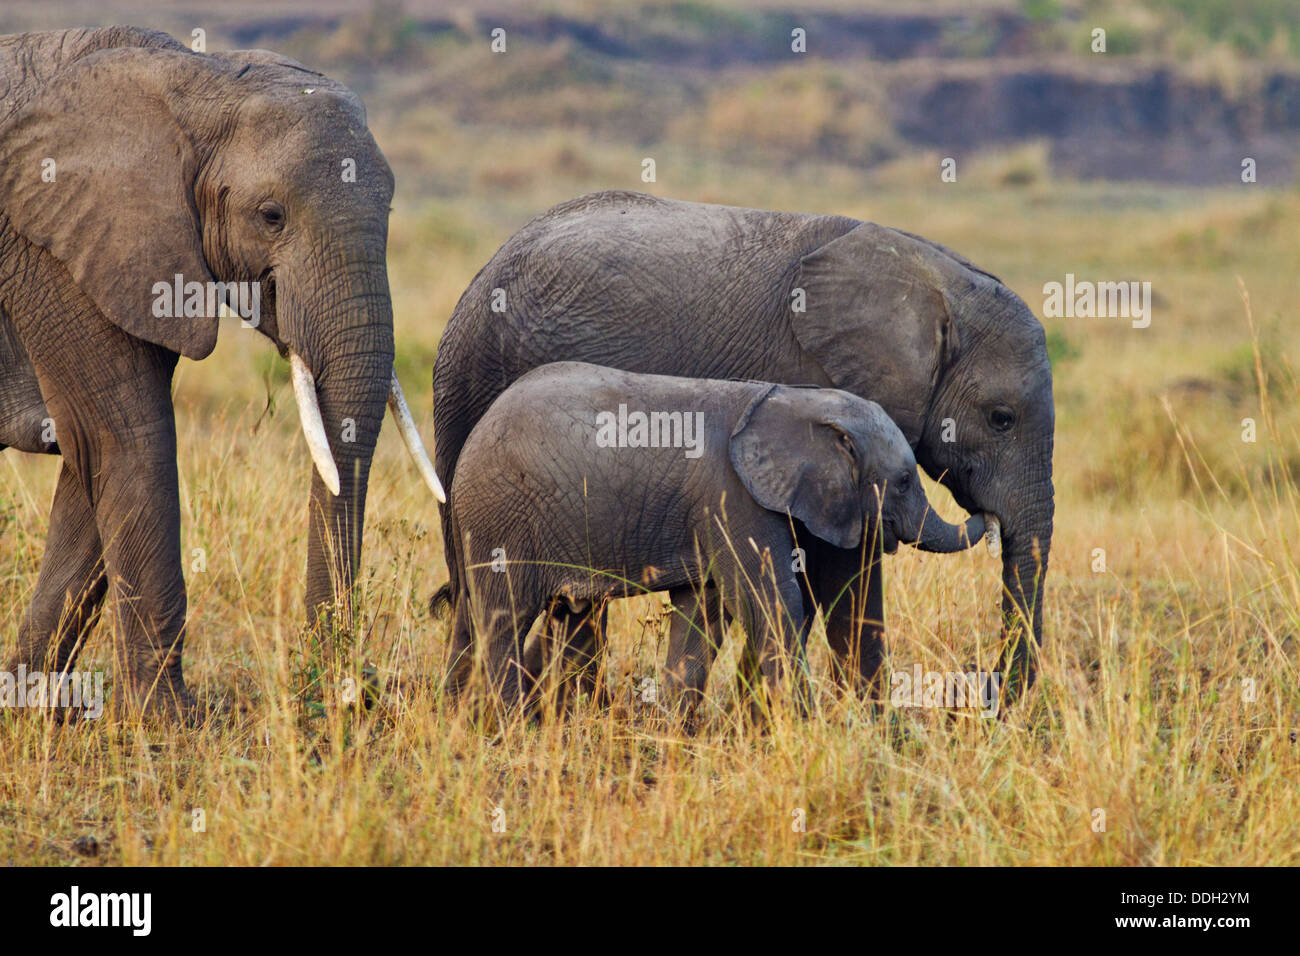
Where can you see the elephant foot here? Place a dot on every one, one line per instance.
(987, 693)
(685, 718)
(154, 689)
(572, 692)
(166, 703)
(681, 705)
(752, 712)
(563, 662)
(46, 656)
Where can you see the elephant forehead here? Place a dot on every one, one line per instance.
(308, 112)
(298, 142)
(1006, 371)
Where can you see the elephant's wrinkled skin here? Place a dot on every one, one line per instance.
(127, 160)
(552, 505)
(653, 285)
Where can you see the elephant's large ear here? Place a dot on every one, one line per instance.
(97, 169)
(878, 318)
(791, 462)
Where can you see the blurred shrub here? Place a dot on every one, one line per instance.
(1249, 26)
(381, 33)
(1238, 369)
(791, 115)
(1059, 347)
(1186, 438)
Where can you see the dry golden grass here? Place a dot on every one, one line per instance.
(1142, 707)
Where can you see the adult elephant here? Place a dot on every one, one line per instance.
(131, 166)
(654, 285)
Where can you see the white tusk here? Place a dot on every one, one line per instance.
(992, 534)
(313, 428)
(411, 438)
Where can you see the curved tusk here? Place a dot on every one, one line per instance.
(411, 438)
(992, 534)
(313, 428)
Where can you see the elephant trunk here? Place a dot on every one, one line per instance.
(921, 526)
(313, 429)
(340, 344)
(1026, 543)
(940, 537)
(352, 392)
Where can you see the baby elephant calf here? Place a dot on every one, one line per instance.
(583, 483)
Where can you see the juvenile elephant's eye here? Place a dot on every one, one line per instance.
(1001, 419)
(272, 215)
(905, 481)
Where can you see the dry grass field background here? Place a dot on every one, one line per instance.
(1168, 697)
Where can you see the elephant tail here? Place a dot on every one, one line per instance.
(443, 601)
(440, 601)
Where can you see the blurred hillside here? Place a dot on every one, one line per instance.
(1184, 90)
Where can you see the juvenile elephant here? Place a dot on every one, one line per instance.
(583, 483)
(144, 187)
(654, 285)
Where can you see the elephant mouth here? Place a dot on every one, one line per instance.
(313, 429)
(993, 534)
(889, 542)
(303, 380)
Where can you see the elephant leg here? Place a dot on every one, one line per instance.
(576, 639)
(110, 399)
(70, 587)
(770, 603)
(695, 634)
(749, 678)
(774, 649)
(503, 632)
(138, 512)
(460, 665)
(490, 623)
(848, 587)
(460, 653)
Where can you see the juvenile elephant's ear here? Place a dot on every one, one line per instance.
(97, 169)
(878, 317)
(789, 461)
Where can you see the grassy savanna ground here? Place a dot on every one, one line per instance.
(1143, 709)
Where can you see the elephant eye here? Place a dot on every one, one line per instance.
(847, 444)
(905, 481)
(1001, 419)
(272, 215)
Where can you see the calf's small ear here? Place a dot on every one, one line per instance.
(789, 461)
